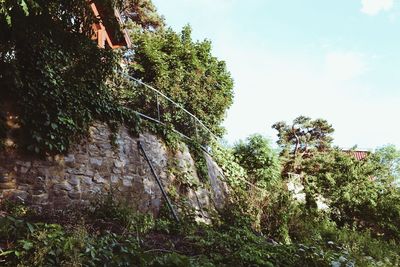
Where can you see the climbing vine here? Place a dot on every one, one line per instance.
(56, 76)
(199, 160)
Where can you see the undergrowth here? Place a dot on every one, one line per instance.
(113, 234)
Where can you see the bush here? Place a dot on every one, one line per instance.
(259, 160)
(176, 65)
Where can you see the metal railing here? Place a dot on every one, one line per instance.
(143, 105)
(153, 105)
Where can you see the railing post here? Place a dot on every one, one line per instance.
(196, 130)
(164, 193)
(158, 108)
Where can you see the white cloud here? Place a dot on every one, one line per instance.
(373, 7)
(344, 65)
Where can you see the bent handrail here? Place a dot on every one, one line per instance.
(173, 102)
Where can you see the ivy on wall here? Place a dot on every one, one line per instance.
(54, 74)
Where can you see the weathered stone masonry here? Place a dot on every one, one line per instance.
(95, 167)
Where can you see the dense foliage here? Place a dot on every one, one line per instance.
(259, 160)
(301, 139)
(143, 14)
(52, 72)
(186, 71)
(114, 235)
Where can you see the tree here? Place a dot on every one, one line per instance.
(302, 139)
(260, 161)
(387, 158)
(144, 14)
(354, 196)
(187, 72)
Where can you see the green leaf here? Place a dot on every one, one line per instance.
(27, 245)
(24, 7)
(30, 227)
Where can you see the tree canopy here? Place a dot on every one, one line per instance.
(302, 139)
(258, 158)
(186, 71)
(144, 14)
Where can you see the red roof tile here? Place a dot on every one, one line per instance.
(359, 155)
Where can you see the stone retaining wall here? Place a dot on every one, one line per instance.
(96, 167)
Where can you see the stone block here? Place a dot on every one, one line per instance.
(141, 171)
(62, 186)
(74, 180)
(61, 201)
(43, 171)
(106, 146)
(81, 159)
(93, 149)
(156, 204)
(128, 177)
(127, 182)
(8, 185)
(96, 162)
(75, 195)
(23, 170)
(23, 187)
(89, 172)
(19, 195)
(26, 164)
(132, 169)
(60, 193)
(115, 179)
(87, 180)
(117, 171)
(39, 199)
(37, 192)
(119, 163)
(98, 179)
(69, 159)
(6, 177)
(39, 185)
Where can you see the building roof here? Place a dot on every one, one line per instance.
(358, 154)
(108, 29)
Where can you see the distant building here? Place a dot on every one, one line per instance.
(108, 30)
(358, 154)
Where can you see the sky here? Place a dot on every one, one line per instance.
(337, 60)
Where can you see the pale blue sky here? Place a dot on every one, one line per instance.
(334, 59)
